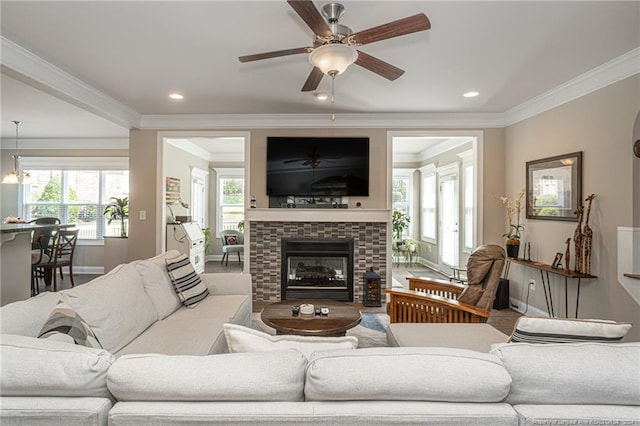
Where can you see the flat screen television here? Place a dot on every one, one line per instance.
(317, 166)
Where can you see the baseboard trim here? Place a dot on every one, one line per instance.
(522, 306)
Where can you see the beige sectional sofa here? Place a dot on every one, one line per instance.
(163, 364)
(132, 309)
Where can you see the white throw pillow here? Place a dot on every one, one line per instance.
(158, 287)
(244, 339)
(187, 284)
(558, 330)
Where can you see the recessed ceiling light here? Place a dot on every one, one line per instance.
(471, 94)
(322, 96)
(176, 96)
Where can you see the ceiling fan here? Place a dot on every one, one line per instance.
(334, 44)
(313, 159)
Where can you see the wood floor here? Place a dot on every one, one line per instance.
(503, 320)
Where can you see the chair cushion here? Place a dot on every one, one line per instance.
(271, 376)
(558, 330)
(187, 284)
(43, 367)
(65, 325)
(244, 339)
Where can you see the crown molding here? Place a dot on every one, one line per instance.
(346, 120)
(608, 73)
(25, 66)
(28, 144)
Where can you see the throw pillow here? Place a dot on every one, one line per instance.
(186, 282)
(557, 330)
(65, 325)
(230, 240)
(244, 339)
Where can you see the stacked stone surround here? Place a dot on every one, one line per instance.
(369, 241)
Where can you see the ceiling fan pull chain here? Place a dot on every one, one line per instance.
(333, 114)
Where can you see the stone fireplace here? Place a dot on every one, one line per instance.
(265, 258)
(317, 268)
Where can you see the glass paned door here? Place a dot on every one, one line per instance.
(449, 239)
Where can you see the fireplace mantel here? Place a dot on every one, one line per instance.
(317, 215)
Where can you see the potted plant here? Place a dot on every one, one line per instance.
(399, 224)
(513, 215)
(118, 210)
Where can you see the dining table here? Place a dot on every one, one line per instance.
(15, 259)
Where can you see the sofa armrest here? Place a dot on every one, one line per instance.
(228, 283)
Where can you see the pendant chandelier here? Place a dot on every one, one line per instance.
(15, 176)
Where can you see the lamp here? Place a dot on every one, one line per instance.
(333, 58)
(15, 176)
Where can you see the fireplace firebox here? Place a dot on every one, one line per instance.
(317, 268)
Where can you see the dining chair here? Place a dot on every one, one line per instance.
(232, 242)
(45, 221)
(41, 251)
(63, 250)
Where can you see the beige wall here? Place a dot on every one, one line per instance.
(636, 174)
(378, 187)
(599, 124)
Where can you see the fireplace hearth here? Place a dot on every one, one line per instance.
(317, 268)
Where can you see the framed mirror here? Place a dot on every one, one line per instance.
(554, 187)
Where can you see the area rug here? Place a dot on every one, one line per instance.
(371, 332)
(429, 273)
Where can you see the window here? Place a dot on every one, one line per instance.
(429, 203)
(231, 198)
(61, 189)
(401, 195)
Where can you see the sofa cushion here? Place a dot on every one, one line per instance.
(572, 373)
(244, 339)
(65, 325)
(158, 287)
(574, 414)
(200, 336)
(186, 282)
(114, 305)
(27, 317)
(42, 367)
(54, 410)
(425, 374)
(265, 376)
(559, 330)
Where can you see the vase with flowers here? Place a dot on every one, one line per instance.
(515, 228)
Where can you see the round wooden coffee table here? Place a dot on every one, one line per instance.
(342, 316)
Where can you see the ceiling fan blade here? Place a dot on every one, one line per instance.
(314, 79)
(311, 16)
(378, 66)
(274, 54)
(408, 25)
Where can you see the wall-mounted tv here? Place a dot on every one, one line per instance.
(317, 166)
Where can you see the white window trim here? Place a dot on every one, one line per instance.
(201, 175)
(426, 171)
(403, 172)
(226, 173)
(467, 159)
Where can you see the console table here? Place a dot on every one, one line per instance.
(546, 285)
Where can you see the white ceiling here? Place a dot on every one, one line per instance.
(130, 55)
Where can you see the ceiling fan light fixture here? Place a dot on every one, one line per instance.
(334, 58)
(322, 96)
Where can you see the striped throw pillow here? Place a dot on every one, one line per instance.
(186, 282)
(65, 325)
(558, 330)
